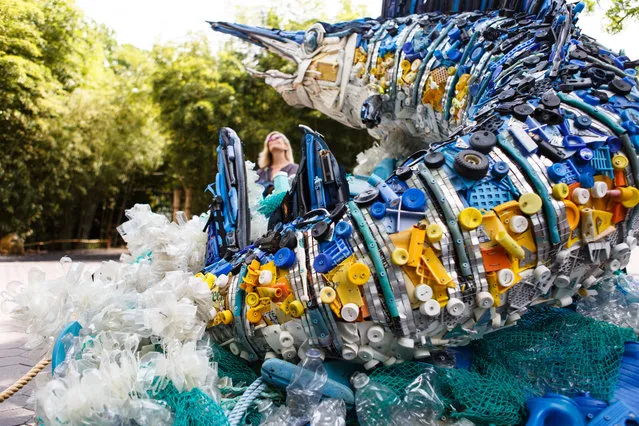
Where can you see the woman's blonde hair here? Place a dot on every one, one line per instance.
(265, 158)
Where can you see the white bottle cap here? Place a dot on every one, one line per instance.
(455, 307)
(589, 282)
(286, 339)
(349, 351)
(430, 308)
(599, 190)
(266, 277)
(484, 299)
(631, 241)
(542, 274)
(518, 224)
(562, 281)
(235, 350)
(423, 293)
(222, 281)
(390, 361)
(580, 195)
(562, 256)
(375, 334)
(365, 353)
(505, 277)
(614, 265)
(620, 251)
(406, 342)
(289, 353)
(350, 312)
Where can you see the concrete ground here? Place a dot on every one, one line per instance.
(15, 361)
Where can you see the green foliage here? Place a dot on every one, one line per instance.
(621, 13)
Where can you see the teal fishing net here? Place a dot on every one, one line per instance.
(192, 408)
(233, 367)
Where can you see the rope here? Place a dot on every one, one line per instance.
(249, 396)
(22, 382)
(71, 240)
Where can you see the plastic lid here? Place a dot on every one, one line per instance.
(375, 334)
(562, 281)
(530, 203)
(284, 258)
(323, 263)
(500, 169)
(599, 189)
(557, 172)
(350, 312)
(542, 274)
(434, 233)
(343, 229)
(286, 339)
(414, 199)
(580, 195)
(485, 300)
(253, 316)
(252, 299)
(470, 218)
(560, 191)
(583, 122)
(327, 295)
(399, 256)
(455, 307)
(505, 277)
(423, 293)
(296, 308)
(518, 224)
(619, 162)
(377, 210)
(359, 380)
(313, 353)
(430, 308)
(358, 273)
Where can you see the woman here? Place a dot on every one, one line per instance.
(276, 157)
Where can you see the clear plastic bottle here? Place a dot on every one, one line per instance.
(266, 408)
(376, 404)
(304, 392)
(330, 412)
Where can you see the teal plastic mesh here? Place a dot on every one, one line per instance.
(192, 408)
(550, 350)
(228, 365)
(269, 204)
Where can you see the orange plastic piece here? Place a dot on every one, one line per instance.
(572, 214)
(495, 258)
(618, 213)
(620, 178)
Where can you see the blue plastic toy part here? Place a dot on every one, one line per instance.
(601, 162)
(332, 255)
(384, 190)
(500, 169)
(284, 258)
(279, 373)
(59, 351)
(377, 210)
(553, 410)
(413, 199)
(589, 406)
(618, 413)
(574, 142)
(384, 168)
(557, 172)
(343, 229)
(583, 122)
(628, 384)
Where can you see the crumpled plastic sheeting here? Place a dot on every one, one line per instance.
(143, 321)
(259, 222)
(614, 300)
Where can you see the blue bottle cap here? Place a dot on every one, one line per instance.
(585, 154)
(343, 229)
(500, 169)
(454, 54)
(323, 263)
(630, 126)
(557, 172)
(455, 34)
(377, 210)
(614, 144)
(586, 180)
(413, 199)
(284, 258)
(583, 122)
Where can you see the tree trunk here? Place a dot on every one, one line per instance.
(188, 195)
(177, 196)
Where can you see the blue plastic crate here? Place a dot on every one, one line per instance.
(487, 194)
(601, 162)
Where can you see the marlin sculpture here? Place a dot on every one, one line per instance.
(513, 183)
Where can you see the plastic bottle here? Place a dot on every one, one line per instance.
(330, 412)
(375, 403)
(266, 408)
(422, 402)
(304, 392)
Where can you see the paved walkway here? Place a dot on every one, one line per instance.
(15, 361)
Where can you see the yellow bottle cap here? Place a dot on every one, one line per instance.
(358, 273)
(296, 308)
(400, 256)
(530, 203)
(253, 316)
(328, 295)
(405, 65)
(560, 191)
(470, 218)
(619, 162)
(434, 232)
(226, 317)
(629, 197)
(252, 299)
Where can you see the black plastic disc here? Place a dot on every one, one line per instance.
(619, 86)
(550, 100)
(320, 230)
(522, 111)
(483, 141)
(434, 160)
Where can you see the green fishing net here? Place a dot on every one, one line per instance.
(192, 408)
(550, 350)
(233, 367)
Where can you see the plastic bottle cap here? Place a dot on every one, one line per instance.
(323, 263)
(530, 203)
(327, 295)
(253, 316)
(430, 308)
(284, 258)
(399, 256)
(350, 312)
(358, 273)
(296, 308)
(375, 334)
(631, 241)
(289, 353)
(629, 197)
(423, 293)
(414, 199)
(562, 281)
(560, 191)
(349, 351)
(470, 218)
(252, 299)
(599, 190)
(406, 342)
(588, 282)
(619, 162)
(366, 354)
(434, 233)
(518, 224)
(377, 210)
(343, 229)
(505, 277)
(455, 307)
(286, 339)
(235, 350)
(226, 317)
(266, 277)
(542, 274)
(485, 300)
(562, 256)
(614, 265)
(580, 196)
(222, 281)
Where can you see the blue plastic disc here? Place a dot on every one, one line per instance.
(284, 258)
(323, 263)
(586, 180)
(377, 210)
(414, 199)
(583, 122)
(557, 172)
(343, 229)
(500, 169)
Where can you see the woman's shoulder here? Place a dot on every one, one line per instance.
(290, 168)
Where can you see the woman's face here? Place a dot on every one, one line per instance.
(276, 143)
